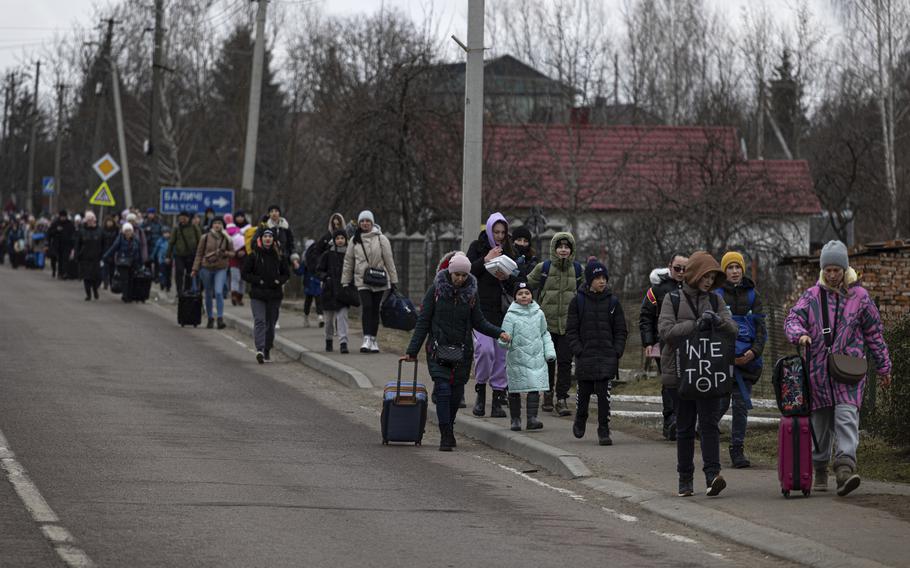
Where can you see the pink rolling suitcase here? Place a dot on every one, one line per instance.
(794, 463)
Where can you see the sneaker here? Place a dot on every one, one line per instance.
(321, 321)
(343, 348)
(210, 324)
(365, 346)
(716, 486)
(260, 357)
(562, 407)
(738, 458)
(267, 354)
(821, 480)
(603, 437)
(277, 325)
(516, 425)
(306, 321)
(221, 324)
(686, 488)
(374, 345)
(847, 481)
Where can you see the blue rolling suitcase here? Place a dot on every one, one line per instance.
(404, 410)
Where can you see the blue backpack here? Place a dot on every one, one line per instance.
(748, 328)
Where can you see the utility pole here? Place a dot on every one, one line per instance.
(98, 77)
(6, 110)
(58, 149)
(121, 137)
(472, 175)
(155, 106)
(10, 144)
(252, 122)
(33, 141)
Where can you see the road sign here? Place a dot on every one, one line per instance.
(196, 200)
(106, 167)
(103, 196)
(48, 187)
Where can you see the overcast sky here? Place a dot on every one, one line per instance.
(24, 25)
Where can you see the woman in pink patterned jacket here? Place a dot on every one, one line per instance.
(856, 326)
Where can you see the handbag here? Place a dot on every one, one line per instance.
(373, 277)
(844, 369)
(704, 363)
(123, 259)
(447, 355)
(348, 295)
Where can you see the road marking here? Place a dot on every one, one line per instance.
(675, 537)
(621, 516)
(238, 342)
(40, 511)
(568, 493)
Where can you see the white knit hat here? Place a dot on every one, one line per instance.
(126, 227)
(366, 214)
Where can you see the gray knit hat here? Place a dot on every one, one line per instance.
(834, 253)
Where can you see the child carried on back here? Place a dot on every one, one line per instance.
(528, 352)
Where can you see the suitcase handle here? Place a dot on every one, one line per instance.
(398, 387)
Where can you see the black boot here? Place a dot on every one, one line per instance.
(445, 435)
(603, 436)
(328, 345)
(210, 324)
(533, 405)
(343, 349)
(603, 418)
(515, 411)
(548, 401)
(221, 324)
(462, 403)
(499, 399)
(738, 457)
(480, 403)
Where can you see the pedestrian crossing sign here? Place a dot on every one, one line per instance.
(103, 196)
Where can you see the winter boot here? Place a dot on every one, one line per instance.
(221, 324)
(533, 405)
(306, 320)
(603, 418)
(580, 423)
(481, 400)
(686, 487)
(739, 458)
(547, 401)
(821, 477)
(847, 479)
(328, 345)
(210, 324)
(515, 411)
(499, 398)
(562, 407)
(445, 436)
(603, 436)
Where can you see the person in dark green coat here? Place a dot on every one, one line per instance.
(558, 280)
(450, 313)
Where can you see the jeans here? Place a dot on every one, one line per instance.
(370, 302)
(236, 282)
(265, 316)
(213, 283)
(740, 413)
(448, 397)
(843, 422)
(560, 371)
(340, 318)
(705, 411)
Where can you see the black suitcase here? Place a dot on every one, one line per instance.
(141, 285)
(189, 306)
(404, 412)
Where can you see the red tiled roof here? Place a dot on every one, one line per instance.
(629, 168)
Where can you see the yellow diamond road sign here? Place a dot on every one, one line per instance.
(103, 196)
(106, 167)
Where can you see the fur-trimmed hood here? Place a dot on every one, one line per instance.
(446, 289)
(340, 218)
(659, 275)
(281, 224)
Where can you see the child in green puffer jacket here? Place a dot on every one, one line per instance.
(529, 351)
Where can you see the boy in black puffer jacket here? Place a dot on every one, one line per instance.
(596, 331)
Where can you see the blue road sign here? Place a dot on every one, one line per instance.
(196, 200)
(48, 186)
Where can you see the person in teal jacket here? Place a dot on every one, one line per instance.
(528, 353)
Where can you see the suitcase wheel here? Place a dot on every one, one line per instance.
(385, 442)
(786, 494)
(181, 325)
(806, 492)
(417, 443)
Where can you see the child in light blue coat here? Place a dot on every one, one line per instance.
(528, 352)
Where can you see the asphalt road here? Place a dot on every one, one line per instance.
(162, 446)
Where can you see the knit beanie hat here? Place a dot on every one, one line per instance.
(521, 285)
(834, 254)
(700, 264)
(90, 216)
(339, 232)
(366, 215)
(273, 207)
(521, 233)
(595, 269)
(459, 263)
(126, 227)
(730, 258)
(218, 219)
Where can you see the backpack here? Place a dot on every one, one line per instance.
(747, 329)
(545, 273)
(580, 306)
(675, 299)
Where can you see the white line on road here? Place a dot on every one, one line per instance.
(40, 511)
(238, 342)
(523, 475)
(621, 516)
(675, 537)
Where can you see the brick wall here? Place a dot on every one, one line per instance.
(884, 270)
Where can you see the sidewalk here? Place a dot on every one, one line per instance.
(823, 530)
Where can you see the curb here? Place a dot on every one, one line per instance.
(554, 459)
(345, 375)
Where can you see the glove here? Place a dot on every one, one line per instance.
(703, 324)
(711, 316)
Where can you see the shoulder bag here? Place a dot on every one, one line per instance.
(844, 369)
(373, 277)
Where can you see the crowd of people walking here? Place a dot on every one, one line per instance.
(528, 329)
